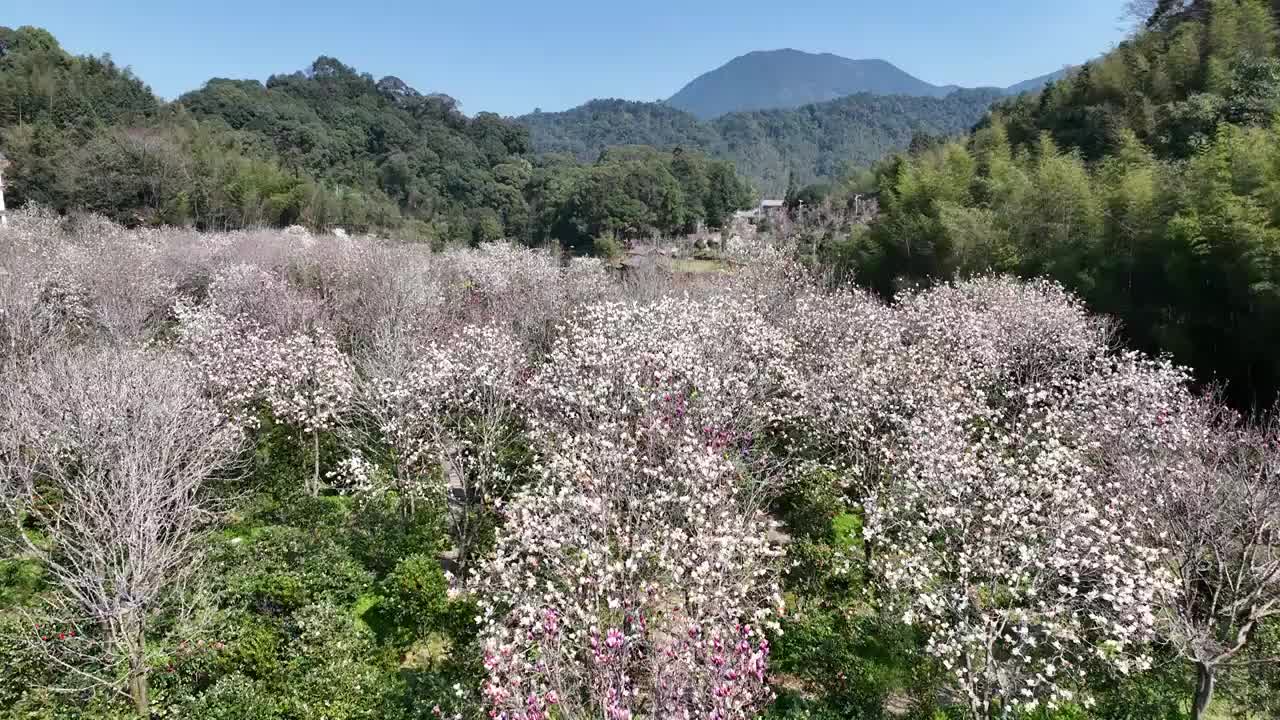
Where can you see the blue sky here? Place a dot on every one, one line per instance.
(511, 56)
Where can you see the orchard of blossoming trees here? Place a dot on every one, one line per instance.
(272, 475)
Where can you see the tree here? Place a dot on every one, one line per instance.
(631, 582)
(1217, 504)
(105, 458)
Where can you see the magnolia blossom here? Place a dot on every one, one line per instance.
(447, 419)
(713, 368)
(230, 356)
(303, 379)
(1014, 554)
(999, 526)
(309, 381)
(630, 581)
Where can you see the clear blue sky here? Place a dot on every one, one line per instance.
(510, 56)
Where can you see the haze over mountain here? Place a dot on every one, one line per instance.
(788, 78)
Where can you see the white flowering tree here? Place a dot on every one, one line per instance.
(303, 379)
(310, 386)
(447, 418)
(1016, 557)
(998, 524)
(229, 356)
(714, 367)
(631, 581)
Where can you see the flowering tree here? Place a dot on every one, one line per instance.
(448, 418)
(522, 291)
(714, 367)
(104, 458)
(631, 581)
(1212, 486)
(999, 525)
(309, 385)
(229, 357)
(303, 379)
(1016, 557)
(1204, 485)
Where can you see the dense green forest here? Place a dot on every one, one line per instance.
(812, 143)
(1148, 182)
(328, 147)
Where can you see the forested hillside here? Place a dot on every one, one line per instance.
(770, 147)
(1149, 182)
(327, 147)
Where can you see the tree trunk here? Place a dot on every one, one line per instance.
(1205, 679)
(139, 692)
(315, 479)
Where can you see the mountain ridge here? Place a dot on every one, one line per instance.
(787, 78)
(812, 143)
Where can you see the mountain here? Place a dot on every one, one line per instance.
(771, 79)
(790, 78)
(1036, 83)
(819, 141)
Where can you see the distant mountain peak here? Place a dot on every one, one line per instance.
(788, 78)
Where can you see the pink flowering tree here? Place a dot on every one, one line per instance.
(1222, 520)
(630, 581)
(635, 576)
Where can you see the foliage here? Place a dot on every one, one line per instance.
(815, 142)
(1181, 252)
(324, 148)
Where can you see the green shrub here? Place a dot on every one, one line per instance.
(282, 569)
(415, 595)
(606, 246)
(381, 533)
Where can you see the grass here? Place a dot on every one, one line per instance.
(697, 266)
(20, 580)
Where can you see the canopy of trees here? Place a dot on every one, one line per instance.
(326, 147)
(813, 142)
(1149, 182)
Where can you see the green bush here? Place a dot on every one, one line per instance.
(380, 532)
(606, 246)
(282, 569)
(415, 595)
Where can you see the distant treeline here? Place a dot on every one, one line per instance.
(771, 147)
(325, 147)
